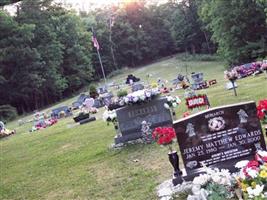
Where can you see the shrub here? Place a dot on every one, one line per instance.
(122, 93)
(7, 113)
(92, 91)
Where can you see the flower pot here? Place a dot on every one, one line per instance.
(174, 160)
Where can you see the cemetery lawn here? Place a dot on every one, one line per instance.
(66, 162)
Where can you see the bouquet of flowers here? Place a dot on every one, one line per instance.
(164, 136)
(110, 116)
(252, 178)
(262, 110)
(264, 66)
(214, 184)
(172, 102)
(231, 75)
(140, 96)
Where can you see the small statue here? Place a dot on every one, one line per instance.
(190, 130)
(146, 132)
(242, 116)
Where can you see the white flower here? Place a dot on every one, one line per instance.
(216, 178)
(174, 105)
(169, 98)
(241, 164)
(262, 153)
(142, 97)
(252, 173)
(178, 100)
(105, 115)
(126, 99)
(255, 192)
(202, 179)
(135, 99)
(148, 94)
(166, 106)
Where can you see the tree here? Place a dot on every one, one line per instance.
(239, 28)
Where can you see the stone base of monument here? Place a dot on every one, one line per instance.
(121, 145)
(126, 138)
(166, 190)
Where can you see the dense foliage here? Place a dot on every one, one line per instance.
(46, 52)
(238, 26)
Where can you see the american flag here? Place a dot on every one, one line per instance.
(94, 40)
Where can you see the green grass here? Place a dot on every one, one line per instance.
(76, 163)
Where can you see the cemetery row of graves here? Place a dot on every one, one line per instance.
(222, 150)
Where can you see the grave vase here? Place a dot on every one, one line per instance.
(174, 160)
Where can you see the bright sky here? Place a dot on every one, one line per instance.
(86, 5)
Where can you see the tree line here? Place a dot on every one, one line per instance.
(46, 52)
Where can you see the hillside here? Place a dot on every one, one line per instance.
(75, 162)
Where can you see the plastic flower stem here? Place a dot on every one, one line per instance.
(170, 148)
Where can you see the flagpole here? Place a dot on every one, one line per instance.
(100, 60)
(99, 57)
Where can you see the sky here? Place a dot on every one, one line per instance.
(86, 5)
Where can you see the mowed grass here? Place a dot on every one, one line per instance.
(76, 162)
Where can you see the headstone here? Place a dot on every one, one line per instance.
(89, 103)
(102, 90)
(137, 86)
(130, 118)
(198, 81)
(219, 137)
(107, 98)
(98, 103)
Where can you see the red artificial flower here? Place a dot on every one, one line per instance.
(252, 164)
(163, 136)
(261, 107)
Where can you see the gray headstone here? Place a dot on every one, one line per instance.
(137, 86)
(130, 118)
(219, 137)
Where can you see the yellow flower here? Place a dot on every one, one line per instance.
(253, 184)
(263, 174)
(244, 187)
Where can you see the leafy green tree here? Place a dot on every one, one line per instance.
(239, 28)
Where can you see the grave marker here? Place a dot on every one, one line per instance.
(130, 118)
(219, 137)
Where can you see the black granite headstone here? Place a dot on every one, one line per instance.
(219, 137)
(130, 118)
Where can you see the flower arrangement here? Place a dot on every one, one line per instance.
(264, 66)
(110, 116)
(231, 75)
(164, 136)
(214, 184)
(139, 96)
(262, 110)
(172, 102)
(252, 178)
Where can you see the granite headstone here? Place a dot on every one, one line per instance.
(137, 86)
(219, 137)
(130, 118)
